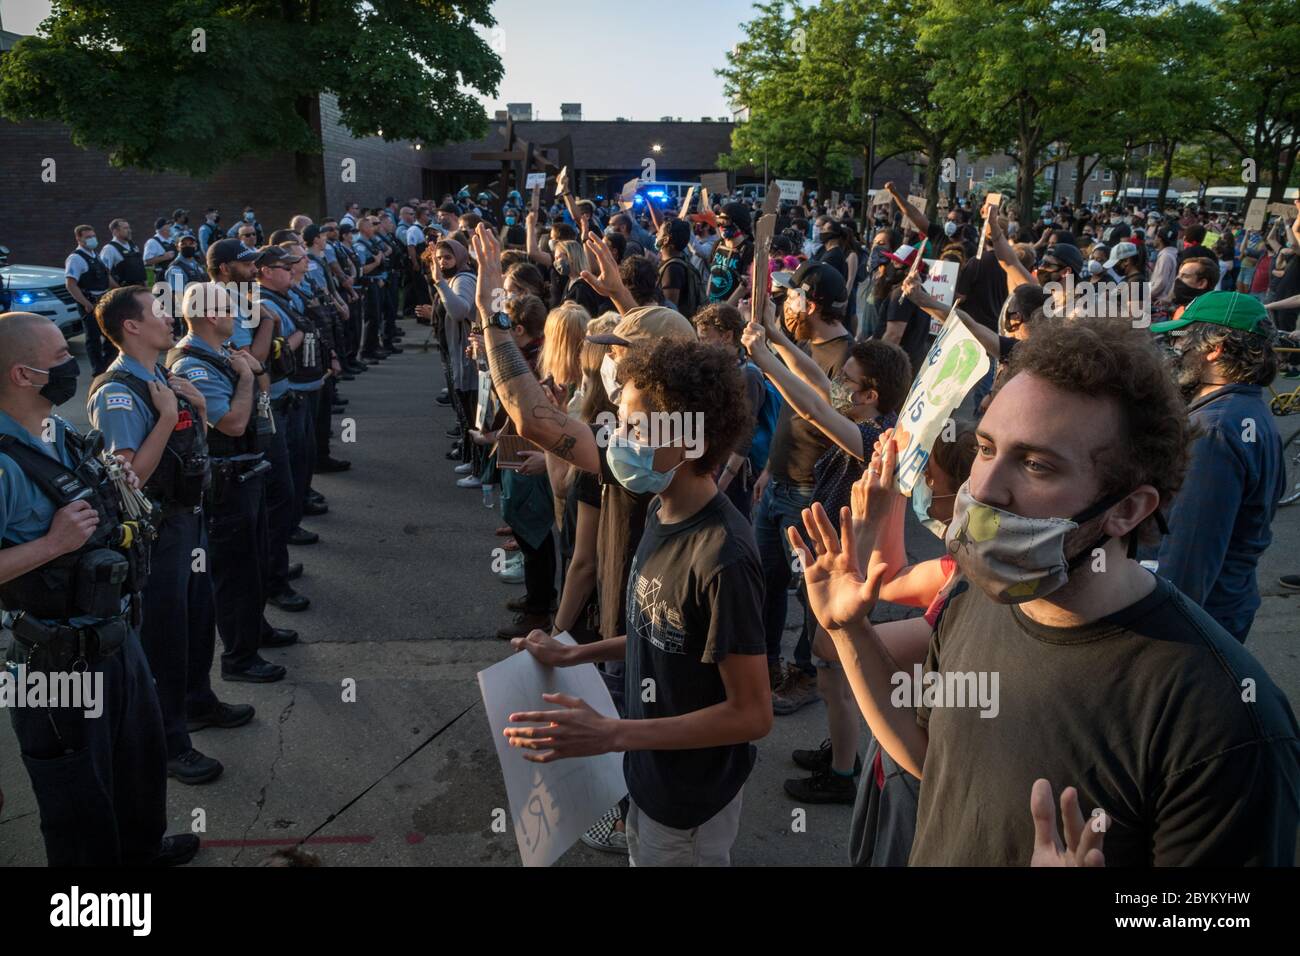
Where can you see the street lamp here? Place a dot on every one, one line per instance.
(656, 148)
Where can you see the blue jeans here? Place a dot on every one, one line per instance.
(983, 387)
(780, 508)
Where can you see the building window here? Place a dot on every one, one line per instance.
(1074, 173)
(970, 172)
(1094, 175)
(989, 172)
(1105, 175)
(1050, 173)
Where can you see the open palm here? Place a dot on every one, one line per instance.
(839, 594)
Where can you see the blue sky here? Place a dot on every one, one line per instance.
(620, 58)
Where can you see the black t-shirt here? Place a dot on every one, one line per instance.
(797, 443)
(1155, 713)
(984, 285)
(694, 595)
(726, 269)
(837, 258)
(587, 297)
(916, 337)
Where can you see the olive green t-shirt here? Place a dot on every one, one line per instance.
(1154, 713)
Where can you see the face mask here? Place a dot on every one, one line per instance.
(1012, 558)
(562, 267)
(1184, 293)
(609, 377)
(92, 242)
(1094, 267)
(248, 217)
(950, 229)
(729, 232)
(632, 465)
(825, 237)
(189, 252)
(921, 501)
(63, 381)
(841, 396)
(510, 220)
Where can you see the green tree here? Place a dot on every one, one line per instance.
(137, 81)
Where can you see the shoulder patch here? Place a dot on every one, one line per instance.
(196, 374)
(122, 401)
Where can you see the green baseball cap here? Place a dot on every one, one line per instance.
(1233, 310)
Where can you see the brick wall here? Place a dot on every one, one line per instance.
(38, 217)
(382, 168)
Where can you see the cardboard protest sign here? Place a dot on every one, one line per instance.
(995, 200)
(772, 203)
(509, 448)
(627, 196)
(551, 804)
(535, 181)
(941, 282)
(1256, 214)
(715, 183)
(761, 287)
(918, 203)
(686, 203)
(835, 200)
(562, 182)
(956, 362)
(1284, 209)
(486, 410)
(881, 197)
(537, 198)
(791, 189)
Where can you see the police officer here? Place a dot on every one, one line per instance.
(235, 505)
(155, 421)
(181, 224)
(185, 270)
(233, 265)
(370, 254)
(350, 264)
(211, 230)
(87, 278)
(160, 248)
(394, 259)
(278, 271)
(249, 218)
(121, 256)
(70, 565)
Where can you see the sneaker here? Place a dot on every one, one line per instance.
(194, 768)
(796, 691)
(513, 572)
(443, 399)
(176, 850)
(1291, 373)
(820, 759)
(1291, 581)
(524, 624)
(824, 786)
(470, 481)
(602, 835)
(464, 468)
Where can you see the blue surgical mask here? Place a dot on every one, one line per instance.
(921, 501)
(633, 466)
(92, 242)
(510, 220)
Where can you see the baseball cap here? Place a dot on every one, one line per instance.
(1068, 254)
(161, 221)
(650, 323)
(1122, 250)
(738, 214)
(345, 229)
(274, 255)
(228, 250)
(902, 256)
(823, 283)
(180, 212)
(1232, 310)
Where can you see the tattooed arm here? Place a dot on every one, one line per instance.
(521, 394)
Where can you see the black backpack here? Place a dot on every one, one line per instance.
(691, 296)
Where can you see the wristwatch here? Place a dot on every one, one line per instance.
(501, 320)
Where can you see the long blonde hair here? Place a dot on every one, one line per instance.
(572, 248)
(566, 327)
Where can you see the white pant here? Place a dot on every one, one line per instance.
(650, 843)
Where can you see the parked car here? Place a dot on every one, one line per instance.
(38, 289)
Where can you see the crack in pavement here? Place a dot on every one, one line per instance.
(29, 813)
(279, 753)
(383, 776)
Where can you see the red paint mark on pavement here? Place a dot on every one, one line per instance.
(415, 838)
(289, 842)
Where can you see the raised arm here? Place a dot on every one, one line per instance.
(607, 280)
(533, 248)
(1006, 254)
(521, 394)
(910, 212)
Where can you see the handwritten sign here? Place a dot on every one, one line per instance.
(551, 804)
(941, 282)
(1256, 213)
(1284, 209)
(535, 181)
(715, 183)
(791, 189)
(955, 364)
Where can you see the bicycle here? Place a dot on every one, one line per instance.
(1285, 403)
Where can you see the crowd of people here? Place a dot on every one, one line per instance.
(680, 445)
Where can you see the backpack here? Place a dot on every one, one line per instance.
(764, 425)
(692, 295)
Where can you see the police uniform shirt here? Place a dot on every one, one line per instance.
(414, 234)
(76, 266)
(25, 511)
(177, 280)
(217, 390)
(287, 328)
(119, 413)
(242, 336)
(209, 233)
(156, 246)
(315, 277)
(348, 220)
(110, 255)
(331, 254)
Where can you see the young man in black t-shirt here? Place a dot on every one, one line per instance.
(695, 686)
(1064, 662)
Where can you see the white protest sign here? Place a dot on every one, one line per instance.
(535, 181)
(551, 803)
(941, 280)
(1256, 213)
(791, 189)
(485, 411)
(955, 364)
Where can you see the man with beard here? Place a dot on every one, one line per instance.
(1195, 277)
(1219, 524)
(1099, 673)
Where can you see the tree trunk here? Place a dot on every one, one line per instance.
(1078, 182)
(1278, 187)
(1167, 171)
(932, 168)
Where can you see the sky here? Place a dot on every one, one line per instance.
(631, 59)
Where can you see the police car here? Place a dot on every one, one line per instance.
(41, 290)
